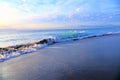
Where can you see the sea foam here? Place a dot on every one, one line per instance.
(20, 49)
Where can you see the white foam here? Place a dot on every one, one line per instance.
(68, 36)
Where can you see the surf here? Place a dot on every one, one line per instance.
(48, 38)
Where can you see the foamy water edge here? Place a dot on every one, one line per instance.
(18, 50)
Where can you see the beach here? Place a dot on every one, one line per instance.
(95, 58)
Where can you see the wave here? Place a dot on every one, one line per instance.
(17, 50)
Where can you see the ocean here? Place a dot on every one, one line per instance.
(32, 40)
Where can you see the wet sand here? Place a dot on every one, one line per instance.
(89, 59)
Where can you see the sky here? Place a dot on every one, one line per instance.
(53, 14)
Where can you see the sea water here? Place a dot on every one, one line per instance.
(13, 38)
(10, 38)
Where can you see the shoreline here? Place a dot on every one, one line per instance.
(88, 59)
(17, 50)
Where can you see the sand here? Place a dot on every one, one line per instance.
(89, 59)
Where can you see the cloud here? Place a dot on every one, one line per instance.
(78, 10)
(61, 11)
(24, 0)
(26, 7)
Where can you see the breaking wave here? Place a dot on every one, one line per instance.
(20, 49)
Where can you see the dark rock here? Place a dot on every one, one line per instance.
(44, 41)
(5, 49)
(18, 46)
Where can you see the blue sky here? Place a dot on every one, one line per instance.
(34, 14)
